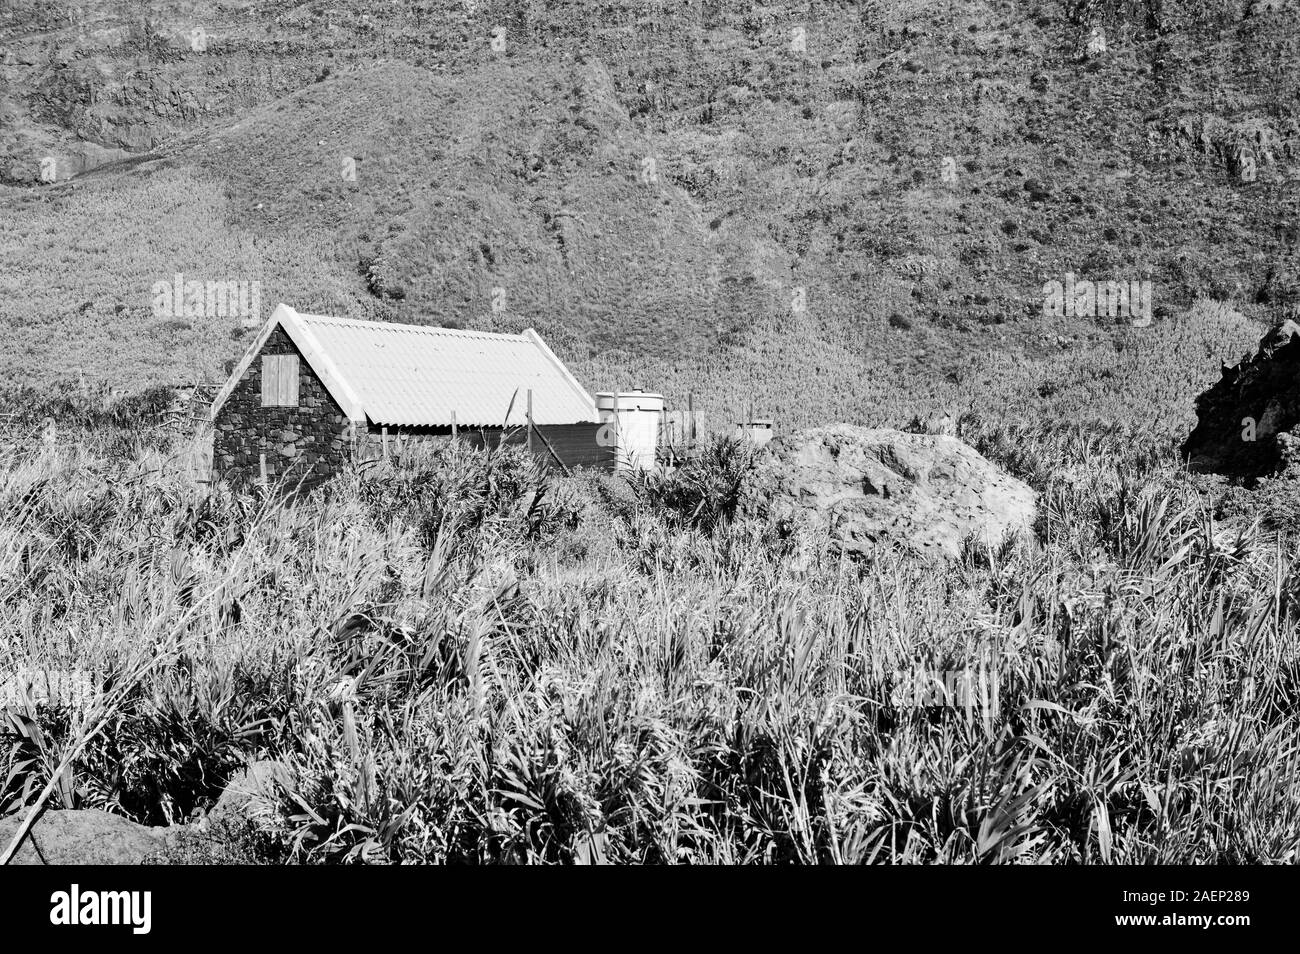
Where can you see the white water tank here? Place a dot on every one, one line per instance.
(633, 418)
(758, 431)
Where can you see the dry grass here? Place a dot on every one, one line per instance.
(468, 661)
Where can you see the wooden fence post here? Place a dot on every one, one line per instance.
(618, 431)
(530, 420)
(660, 442)
(453, 426)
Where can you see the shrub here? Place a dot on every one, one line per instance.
(704, 492)
(97, 407)
(452, 484)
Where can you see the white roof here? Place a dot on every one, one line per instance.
(417, 376)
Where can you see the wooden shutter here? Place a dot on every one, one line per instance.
(270, 378)
(279, 380)
(289, 380)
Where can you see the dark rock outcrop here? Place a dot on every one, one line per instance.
(1244, 420)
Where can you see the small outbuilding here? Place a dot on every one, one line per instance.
(312, 392)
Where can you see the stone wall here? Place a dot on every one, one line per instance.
(309, 442)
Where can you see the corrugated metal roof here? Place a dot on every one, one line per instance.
(417, 376)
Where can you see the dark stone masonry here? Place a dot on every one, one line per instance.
(310, 442)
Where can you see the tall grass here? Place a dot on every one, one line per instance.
(466, 659)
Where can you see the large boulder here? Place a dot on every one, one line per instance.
(1245, 419)
(79, 837)
(870, 488)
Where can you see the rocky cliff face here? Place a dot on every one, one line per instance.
(1244, 421)
(897, 178)
(93, 84)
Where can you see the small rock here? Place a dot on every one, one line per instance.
(252, 793)
(79, 837)
(1037, 191)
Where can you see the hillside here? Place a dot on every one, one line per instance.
(654, 193)
(1016, 624)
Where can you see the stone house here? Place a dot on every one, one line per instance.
(313, 392)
